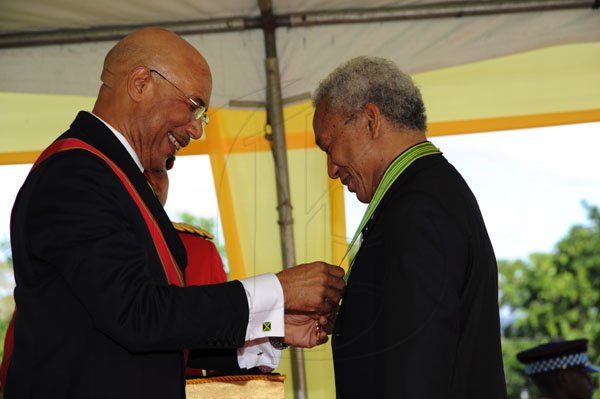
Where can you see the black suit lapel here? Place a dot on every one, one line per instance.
(90, 129)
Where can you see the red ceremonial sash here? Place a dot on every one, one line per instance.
(172, 271)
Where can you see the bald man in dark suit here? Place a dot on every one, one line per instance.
(102, 307)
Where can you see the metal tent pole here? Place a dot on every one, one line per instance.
(277, 137)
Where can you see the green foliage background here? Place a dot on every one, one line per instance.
(7, 303)
(210, 225)
(553, 296)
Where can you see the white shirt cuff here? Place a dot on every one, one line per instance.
(259, 353)
(265, 319)
(265, 306)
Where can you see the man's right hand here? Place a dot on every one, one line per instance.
(312, 287)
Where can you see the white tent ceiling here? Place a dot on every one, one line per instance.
(421, 35)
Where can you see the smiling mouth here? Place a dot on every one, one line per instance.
(347, 184)
(178, 143)
(174, 141)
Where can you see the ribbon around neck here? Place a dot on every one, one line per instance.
(392, 173)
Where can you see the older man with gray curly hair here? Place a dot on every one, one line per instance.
(420, 317)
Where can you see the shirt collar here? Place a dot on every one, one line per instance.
(123, 141)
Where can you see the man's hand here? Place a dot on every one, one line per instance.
(330, 320)
(313, 287)
(304, 331)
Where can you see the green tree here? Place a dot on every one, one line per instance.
(210, 225)
(5, 252)
(7, 303)
(553, 296)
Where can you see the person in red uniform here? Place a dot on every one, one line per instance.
(206, 265)
(202, 253)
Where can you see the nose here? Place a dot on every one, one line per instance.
(332, 168)
(194, 129)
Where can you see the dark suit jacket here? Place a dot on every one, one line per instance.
(96, 317)
(420, 315)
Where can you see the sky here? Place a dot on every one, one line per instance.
(529, 184)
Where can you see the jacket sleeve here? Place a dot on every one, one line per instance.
(86, 229)
(421, 263)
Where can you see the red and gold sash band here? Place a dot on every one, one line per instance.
(170, 267)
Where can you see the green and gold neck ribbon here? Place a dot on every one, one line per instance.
(396, 168)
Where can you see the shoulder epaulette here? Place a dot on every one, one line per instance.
(188, 228)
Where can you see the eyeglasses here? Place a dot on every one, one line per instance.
(198, 110)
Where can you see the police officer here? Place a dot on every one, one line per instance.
(560, 370)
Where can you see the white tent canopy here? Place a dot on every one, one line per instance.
(423, 36)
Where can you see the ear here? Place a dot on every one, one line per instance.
(373, 115)
(137, 83)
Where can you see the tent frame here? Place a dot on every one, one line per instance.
(456, 9)
(275, 130)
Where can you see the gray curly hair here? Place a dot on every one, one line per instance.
(374, 80)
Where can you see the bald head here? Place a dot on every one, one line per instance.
(153, 47)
